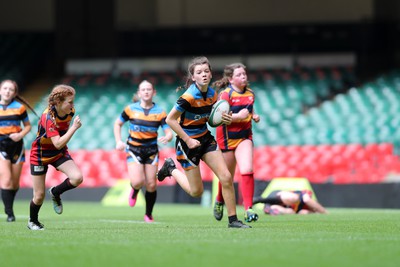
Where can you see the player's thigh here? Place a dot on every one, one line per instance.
(16, 174)
(150, 171)
(244, 156)
(72, 170)
(195, 181)
(230, 160)
(217, 164)
(136, 171)
(5, 173)
(289, 198)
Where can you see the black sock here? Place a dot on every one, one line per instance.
(232, 218)
(34, 211)
(150, 201)
(8, 196)
(135, 192)
(61, 188)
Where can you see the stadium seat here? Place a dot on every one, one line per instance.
(303, 130)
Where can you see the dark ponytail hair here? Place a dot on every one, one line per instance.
(18, 97)
(192, 64)
(228, 73)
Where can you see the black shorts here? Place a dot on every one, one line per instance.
(42, 169)
(190, 158)
(12, 151)
(275, 199)
(142, 154)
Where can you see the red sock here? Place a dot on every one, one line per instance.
(219, 197)
(247, 190)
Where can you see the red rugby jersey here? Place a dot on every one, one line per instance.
(43, 151)
(229, 136)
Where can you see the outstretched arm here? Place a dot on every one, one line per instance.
(313, 205)
(167, 137)
(119, 144)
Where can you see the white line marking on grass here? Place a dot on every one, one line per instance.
(18, 216)
(125, 221)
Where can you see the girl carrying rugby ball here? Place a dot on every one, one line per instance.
(188, 119)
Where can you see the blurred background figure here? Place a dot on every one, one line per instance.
(281, 202)
(144, 117)
(12, 151)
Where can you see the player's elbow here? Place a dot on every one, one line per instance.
(168, 120)
(196, 193)
(58, 145)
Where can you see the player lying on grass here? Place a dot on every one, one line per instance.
(290, 202)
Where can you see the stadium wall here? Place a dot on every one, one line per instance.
(253, 61)
(136, 14)
(335, 196)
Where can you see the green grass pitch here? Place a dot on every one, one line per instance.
(88, 234)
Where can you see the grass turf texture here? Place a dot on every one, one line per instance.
(88, 234)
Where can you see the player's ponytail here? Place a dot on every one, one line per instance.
(221, 84)
(18, 97)
(228, 73)
(23, 101)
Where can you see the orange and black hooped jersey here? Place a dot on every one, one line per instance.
(43, 151)
(196, 108)
(300, 205)
(11, 116)
(229, 136)
(143, 123)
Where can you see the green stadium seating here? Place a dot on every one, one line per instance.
(305, 128)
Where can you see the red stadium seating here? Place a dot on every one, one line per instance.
(339, 164)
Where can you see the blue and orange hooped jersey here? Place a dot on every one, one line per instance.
(11, 116)
(229, 136)
(143, 123)
(43, 151)
(196, 108)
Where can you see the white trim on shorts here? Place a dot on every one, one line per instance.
(135, 159)
(186, 157)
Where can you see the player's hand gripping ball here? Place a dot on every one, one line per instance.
(220, 107)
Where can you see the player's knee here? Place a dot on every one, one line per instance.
(225, 178)
(76, 179)
(38, 197)
(196, 193)
(226, 182)
(6, 183)
(151, 187)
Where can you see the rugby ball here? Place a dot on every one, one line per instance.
(220, 107)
